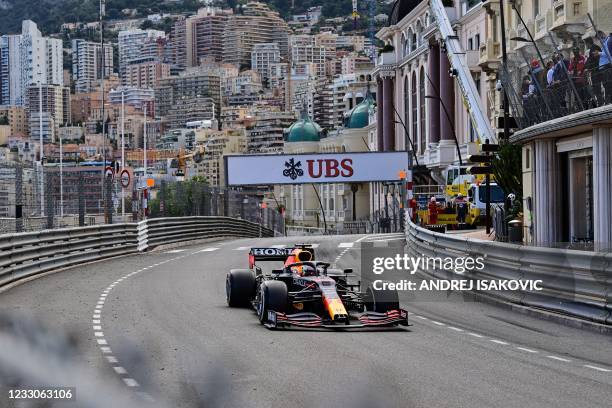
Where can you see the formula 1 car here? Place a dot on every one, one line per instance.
(308, 293)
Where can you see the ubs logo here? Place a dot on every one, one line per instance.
(327, 168)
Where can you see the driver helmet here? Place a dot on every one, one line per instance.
(304, 270)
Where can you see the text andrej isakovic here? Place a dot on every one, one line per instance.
(458, 266)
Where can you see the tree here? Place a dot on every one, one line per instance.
(4, 120)
(507, 168)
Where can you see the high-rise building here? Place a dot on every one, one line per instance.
(178, 45)
(266, 136)
(55, 110)
(26, 59)
(262, 57)
(138, 46)
(257, 24)
(17, 118)
(86, 64)
(204, 35)
(146, 74)
(306, 48)
(191, 84)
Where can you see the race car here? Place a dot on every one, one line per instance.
(308, 293)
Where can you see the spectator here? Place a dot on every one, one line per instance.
(433, 211)
(592, 80)
(550, 65)
(605, 65)
(576, 71)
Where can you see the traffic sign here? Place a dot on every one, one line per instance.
(480, 159)
(480, 170)
(125, 178)
(108, 172)
(487, 147)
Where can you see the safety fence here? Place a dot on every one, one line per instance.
(575, 283)
(32, 253)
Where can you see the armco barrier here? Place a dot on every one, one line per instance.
(576, 283)
(26, 254)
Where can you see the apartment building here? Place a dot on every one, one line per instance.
(204, 35)
(262, 57)
(266, 135)
(192, 83)
(28, 58)
(17, 117)
(138, 46)
(54, 106)
(86, 64)
(146, 74)
(257, 24)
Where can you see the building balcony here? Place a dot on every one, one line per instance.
(489, 55)
(386, 58)
(491, 6)
(472, 58)
(542, 24)
(568, 17)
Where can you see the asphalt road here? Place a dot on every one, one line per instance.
(164, 331)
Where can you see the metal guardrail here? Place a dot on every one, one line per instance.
(576, 283)
(32, 253)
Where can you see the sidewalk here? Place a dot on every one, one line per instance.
(479, 233)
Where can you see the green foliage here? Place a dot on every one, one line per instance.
(4, 120)
(507, 167)
(51, 14)
(179, 198)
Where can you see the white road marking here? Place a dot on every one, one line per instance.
(174, 251)
(94, 321)
(438, 323)
(499, 342)
(455, 328)
(99, 334)
(120, 370)
(527, 350)
(346, 244)
(278, 246)
(565, 360)
(476, 335)
(102, 342)
(604, 370)
(422, 317)
(208, 250)
(242, 248)
(314, 245)
(111, 359)
(130, 382)
(97, 327)
(106, 350)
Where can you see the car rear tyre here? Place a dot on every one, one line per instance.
(381, 301)
(240, 287)
(273, 296)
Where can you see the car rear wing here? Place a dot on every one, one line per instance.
(275, 254)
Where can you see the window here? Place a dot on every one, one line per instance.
(422, 134)
(536, 8)
(414, 107)
(406, 101)
(470, 44)
(477, 41)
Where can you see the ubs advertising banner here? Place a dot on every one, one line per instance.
(314, 168)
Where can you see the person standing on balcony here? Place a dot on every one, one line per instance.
(605, 65)
(576, 71)
(592, 79)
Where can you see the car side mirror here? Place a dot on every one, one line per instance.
(348, 270)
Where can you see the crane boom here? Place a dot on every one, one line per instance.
(469, 92)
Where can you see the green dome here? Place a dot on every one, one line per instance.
(359, 117)
(304, 130)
